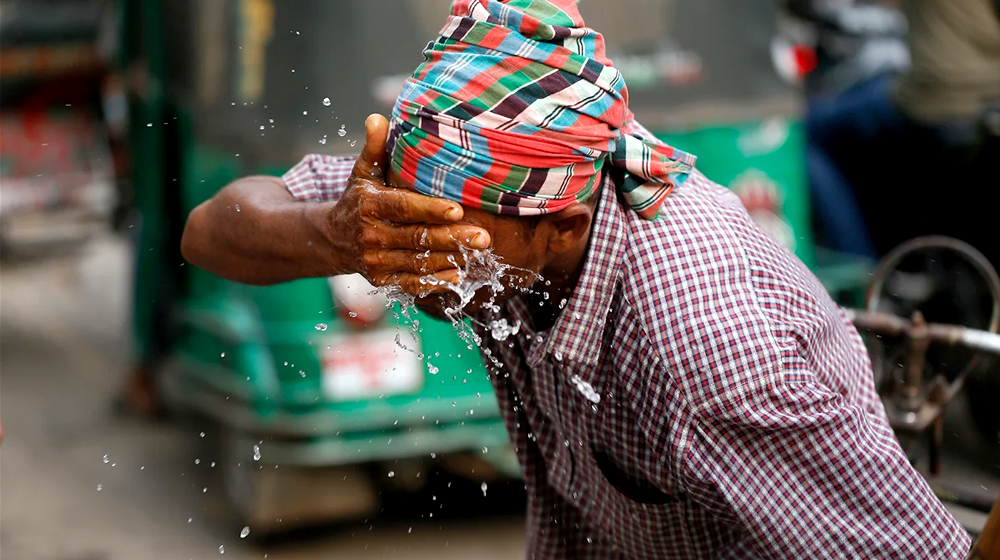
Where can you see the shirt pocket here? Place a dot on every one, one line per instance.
(636, 490)
(642, 520)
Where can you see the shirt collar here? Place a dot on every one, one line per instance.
(579, 330)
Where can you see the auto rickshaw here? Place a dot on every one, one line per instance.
(321, 377)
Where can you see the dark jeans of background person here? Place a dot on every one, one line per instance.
(879, 178)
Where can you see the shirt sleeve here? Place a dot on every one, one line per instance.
(808, 474)
(319, 178)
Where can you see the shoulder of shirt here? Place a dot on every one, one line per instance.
(690, 279)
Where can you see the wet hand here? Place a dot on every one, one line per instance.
(394, 236)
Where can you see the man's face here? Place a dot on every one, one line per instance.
(519, 243)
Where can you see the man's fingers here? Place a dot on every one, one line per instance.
(418, 284)
(433, 238)
(407, 207)
(413, 262)
(373, 159)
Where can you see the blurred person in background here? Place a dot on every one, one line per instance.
(912, 146)
(860, 48)
(679, 385)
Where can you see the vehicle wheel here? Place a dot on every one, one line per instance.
(271, 498)
(983, 392)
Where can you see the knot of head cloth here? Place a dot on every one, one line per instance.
(516, 110)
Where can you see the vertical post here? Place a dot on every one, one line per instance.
(988, 545)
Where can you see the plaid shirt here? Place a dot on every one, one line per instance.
(700, 396)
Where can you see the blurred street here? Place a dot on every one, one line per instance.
(64, 340)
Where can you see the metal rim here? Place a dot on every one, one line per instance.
(968, 252)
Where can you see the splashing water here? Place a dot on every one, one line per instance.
(343, 131)
(483, 270)
(586, 389)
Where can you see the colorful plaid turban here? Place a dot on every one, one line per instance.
(516, 109)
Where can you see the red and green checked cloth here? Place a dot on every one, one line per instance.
(517, 109)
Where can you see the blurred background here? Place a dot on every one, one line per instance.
(152, 410)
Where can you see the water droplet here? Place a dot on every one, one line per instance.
(106, 459)
(343, 131)
(222, 355)
(303, 112)
(222, 549)
(150, 125)
(197, 461)
(352, 314)
(322, 140)
(302, 373)
(321, 327)
(586, 389)
(237, 207)
(432, 369)
(202, 434)
(353, 143)
(391, 474)
(190, 519)
(262, 127)
(326, 101)
(256, 453)
(483, 488)
(486, 450)
(245, 532)
(100, 487)
(204, 490)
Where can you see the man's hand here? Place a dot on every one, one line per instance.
(394, 236)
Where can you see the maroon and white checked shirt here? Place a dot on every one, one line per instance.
(700, 396)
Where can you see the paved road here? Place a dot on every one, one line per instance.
(62, 350)
(63, 340)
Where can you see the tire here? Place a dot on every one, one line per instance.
(271, 498)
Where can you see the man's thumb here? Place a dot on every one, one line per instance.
(373, 159)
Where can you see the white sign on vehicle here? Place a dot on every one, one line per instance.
(369, 364)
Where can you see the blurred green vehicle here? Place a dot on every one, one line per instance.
(317, 377)
(309, 375)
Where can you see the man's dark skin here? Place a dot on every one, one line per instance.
(377, 231)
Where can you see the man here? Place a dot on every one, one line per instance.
(696, 395)
(863, 141)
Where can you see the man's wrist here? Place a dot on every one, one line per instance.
(332, 259)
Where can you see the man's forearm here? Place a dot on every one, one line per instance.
(255, 232)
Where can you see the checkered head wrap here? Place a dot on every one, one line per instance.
(516, 110)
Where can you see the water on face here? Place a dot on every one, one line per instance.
(483, 271)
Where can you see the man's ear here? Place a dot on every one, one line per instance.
(569, 227)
